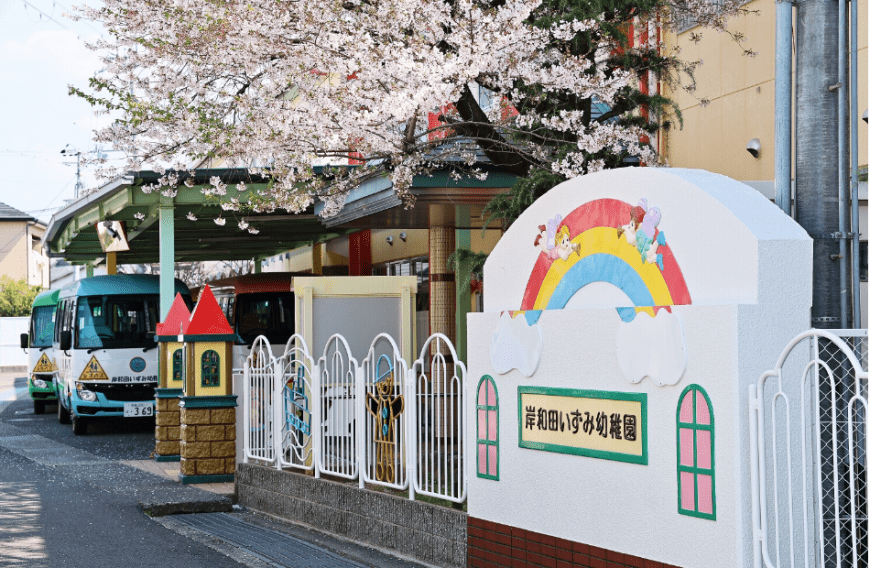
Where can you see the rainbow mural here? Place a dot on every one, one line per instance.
(646, 270)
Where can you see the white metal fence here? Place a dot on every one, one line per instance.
(808, 454)
(379, 422)
(11, 353)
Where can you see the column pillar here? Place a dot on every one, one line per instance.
(442, 280)
(89, 270)
(360, 245)
(166, 216)
(317, 259)
(111, 263)
(442, 304)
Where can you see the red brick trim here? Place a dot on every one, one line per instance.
(493, 545)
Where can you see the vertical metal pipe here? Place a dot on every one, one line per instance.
(782, 119)
(856, 221)
(816, 165)
(166, 213)
(842, 159)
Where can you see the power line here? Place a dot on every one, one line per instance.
(70, 12)
(49, 17)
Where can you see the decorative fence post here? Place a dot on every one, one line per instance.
(208, 407)
(170, 370)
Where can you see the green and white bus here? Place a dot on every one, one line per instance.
(40, 353)
(104, 341)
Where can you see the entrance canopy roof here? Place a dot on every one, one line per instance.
(72, 233)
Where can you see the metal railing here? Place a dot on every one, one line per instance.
(808, 454)
(379, 422)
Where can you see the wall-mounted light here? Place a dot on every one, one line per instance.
(404, 236)
(865, 115)
(754, 147)
(390, 240)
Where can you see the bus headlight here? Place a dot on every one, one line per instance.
(40, 384)
(85, 394)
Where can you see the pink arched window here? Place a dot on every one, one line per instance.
(487, 429)
(695, 457)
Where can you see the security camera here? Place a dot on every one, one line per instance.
(865, 115)
(754, 147)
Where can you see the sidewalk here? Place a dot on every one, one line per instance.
(171, 470)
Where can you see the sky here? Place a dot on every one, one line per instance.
(40, 55)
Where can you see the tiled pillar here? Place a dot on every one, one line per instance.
(442, 293)
(208, 439)
(442, 280)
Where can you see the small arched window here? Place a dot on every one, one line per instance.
(695, 457)
(487, 429)
(210, 369)
(177, 365)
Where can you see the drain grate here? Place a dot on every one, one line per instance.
(271, 546)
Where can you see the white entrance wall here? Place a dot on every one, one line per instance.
(737, 273)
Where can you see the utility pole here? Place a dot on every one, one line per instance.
(817, 160)
(67, 151)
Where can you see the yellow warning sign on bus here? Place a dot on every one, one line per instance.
(93, 371)
(43, 365)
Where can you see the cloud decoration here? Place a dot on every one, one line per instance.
(652, 347)
(516, 345)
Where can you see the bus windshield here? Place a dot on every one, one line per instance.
(116, 322)
(265, 313)
(42, 326)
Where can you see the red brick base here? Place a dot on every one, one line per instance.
(492, 545)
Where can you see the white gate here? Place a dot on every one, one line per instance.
(378, 421)
(438, 416)
(260, 377)
(294, 414)
(338, 396)
(808, 452)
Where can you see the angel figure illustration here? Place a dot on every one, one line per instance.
(554, 239)
(385, 406)
(640, 232)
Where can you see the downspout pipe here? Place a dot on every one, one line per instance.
(782, 109)
(842, 159)
(856, 219)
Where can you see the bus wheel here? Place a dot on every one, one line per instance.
(62, 413)
(79, 425)
(39, 407)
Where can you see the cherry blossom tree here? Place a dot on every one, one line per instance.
(545, 89)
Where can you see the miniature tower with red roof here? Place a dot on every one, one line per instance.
(167, 431)
(208, 406)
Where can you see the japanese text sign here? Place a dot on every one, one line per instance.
(598, 424)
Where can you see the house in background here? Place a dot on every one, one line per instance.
(21, 254)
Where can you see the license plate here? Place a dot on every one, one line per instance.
(134, 409)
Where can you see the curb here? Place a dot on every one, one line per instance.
(223, 505)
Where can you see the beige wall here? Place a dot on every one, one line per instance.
(416, 244)
(741, 94)
(21, 255)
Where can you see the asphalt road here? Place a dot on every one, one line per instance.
(50, 519)
(113, 438)
(66, 501)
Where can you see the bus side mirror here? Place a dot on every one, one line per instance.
(25, 340)
(65, 340)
